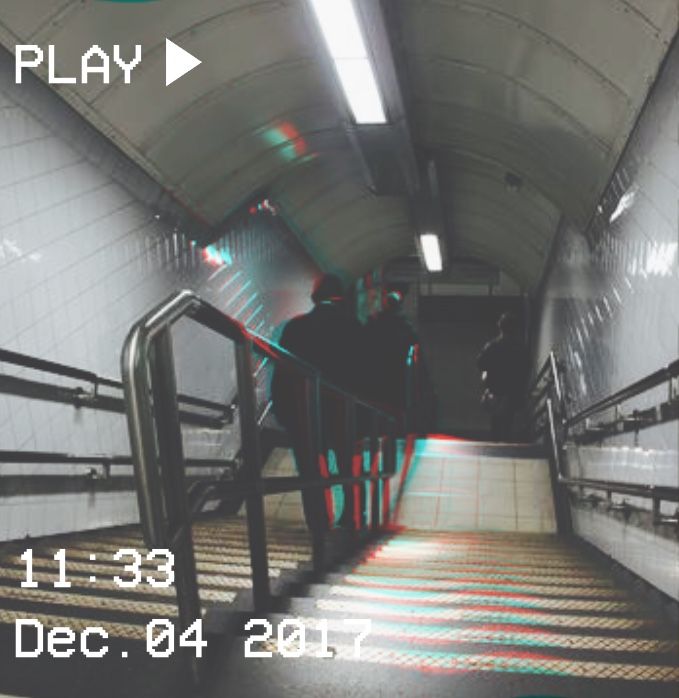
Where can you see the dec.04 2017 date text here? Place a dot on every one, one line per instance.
(32, 639)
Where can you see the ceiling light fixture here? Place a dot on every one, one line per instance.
(342, 32)
(431, 251)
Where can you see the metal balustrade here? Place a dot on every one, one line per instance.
(548, 407)
(33, 379)
(153, 415)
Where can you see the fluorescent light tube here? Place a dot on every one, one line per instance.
(431, 250)
(340, 27)
(342, 32)
(360, 88)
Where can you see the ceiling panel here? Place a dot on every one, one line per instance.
(546, 90)
(543, 90)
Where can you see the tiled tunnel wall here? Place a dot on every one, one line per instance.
(81, 259)
(611, 310)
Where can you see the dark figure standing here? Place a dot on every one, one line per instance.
(504, 366)
(327, 337)
(389, 337)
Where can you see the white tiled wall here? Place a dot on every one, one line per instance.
(611, 310)
(622, 461)
(66, 512)
(81, 259)
(652, 557)
(477, 493)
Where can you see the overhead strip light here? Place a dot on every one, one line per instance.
(431, 251)
(342, 32)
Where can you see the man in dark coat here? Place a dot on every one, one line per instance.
(329, 338)
(504, 366)
(389, 337)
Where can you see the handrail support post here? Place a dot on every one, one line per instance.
(254, 502)
(177, 532)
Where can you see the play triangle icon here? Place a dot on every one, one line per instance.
(178, 62)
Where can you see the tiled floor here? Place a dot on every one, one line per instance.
(450, 491)
(462, 491)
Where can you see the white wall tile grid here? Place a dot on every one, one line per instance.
(611, 310)
(653, 558)
(80, 260)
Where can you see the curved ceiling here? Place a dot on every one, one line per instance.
(547, 90)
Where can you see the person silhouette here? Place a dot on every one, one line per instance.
(503, 363)
(329, 338)
(388, 339)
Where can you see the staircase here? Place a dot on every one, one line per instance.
(464, 614)
(468, 593)
(94, 599)
(471, 594)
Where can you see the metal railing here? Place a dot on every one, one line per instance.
(94, 398)
(153, 420)
(97, 393)
(637, 419)
(549, 407)
(549, 382)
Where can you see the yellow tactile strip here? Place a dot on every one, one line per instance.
(238, 525)
(504, 559)
(529, 576)
(455, 599)
(448, 547)
(209, 579)
(216, 545)
(104, 584)
(432, 661)
(110, 603)
(413, 583)
(214, 552)
(205, 561)
(535, 541)
(410, 633)
(442, 614)
(488, 565)
(544, 540)
(125, 631)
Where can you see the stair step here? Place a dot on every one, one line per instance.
(421, 599)
(474, 571)
(382, 580)
(444, 615)
(429, 662)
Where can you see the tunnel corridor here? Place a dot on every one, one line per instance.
(339, 348)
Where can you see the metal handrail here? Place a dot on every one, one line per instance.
(58, 369)
(153, 422)
(551, 370)
(547, 377)
(558, 424)
(116, 460)
(13, 357)
(195, 412)
(653, 380)
(136, 352)
(656, 493)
